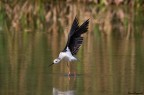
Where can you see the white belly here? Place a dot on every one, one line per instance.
(67, 56)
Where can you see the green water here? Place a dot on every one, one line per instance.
(111, 57)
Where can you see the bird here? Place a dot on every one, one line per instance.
(74, 42)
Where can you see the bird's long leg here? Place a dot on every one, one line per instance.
(68, 66)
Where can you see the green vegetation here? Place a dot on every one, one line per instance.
(116, 16)
(32, 32)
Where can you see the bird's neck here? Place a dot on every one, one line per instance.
(59, 58)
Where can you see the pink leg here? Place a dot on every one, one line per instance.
(74, 74)
(68, 69)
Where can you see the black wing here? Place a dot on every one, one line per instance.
(75, 40)
(74, 27)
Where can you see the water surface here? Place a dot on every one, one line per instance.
(111, 57)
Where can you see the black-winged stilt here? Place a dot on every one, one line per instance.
(73, 43)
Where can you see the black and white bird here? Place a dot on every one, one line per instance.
(74, 42)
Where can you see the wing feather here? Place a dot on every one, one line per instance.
(74, 38)
(78, 42)
(74, 27)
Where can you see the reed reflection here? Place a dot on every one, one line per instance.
(111, 58)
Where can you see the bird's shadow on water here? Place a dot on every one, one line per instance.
(72, 75)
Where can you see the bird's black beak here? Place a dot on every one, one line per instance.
(50, 64)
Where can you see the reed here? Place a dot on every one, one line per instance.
(51, 16)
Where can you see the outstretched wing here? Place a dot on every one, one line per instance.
(73, 29)
(76, 39)
(77, 42)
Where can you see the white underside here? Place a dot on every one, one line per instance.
(67, 55)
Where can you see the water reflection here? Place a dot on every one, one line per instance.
(64, 86)
(57, 92)
(111, 58)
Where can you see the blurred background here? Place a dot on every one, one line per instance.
(33, 32)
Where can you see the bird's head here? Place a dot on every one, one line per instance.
(55, 61)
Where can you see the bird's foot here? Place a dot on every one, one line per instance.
(69, 74)
(72, 74)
